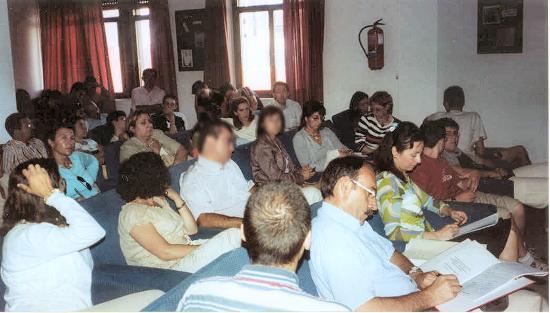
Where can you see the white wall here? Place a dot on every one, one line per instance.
(508, 90)
(25, 43)
(7, 85)
(409, 73)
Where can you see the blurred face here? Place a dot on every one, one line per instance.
(243, 112)
(380, 112)
(120, 123)
(451, 139)
(363, 106)
(149, 78)
(314, 121)
(408, 159)
(230, 94)
(80, 129)
(24, 133)
(222, 147)
(169, 106)
(361, 202)
(63, 143)
(143, 128)
(280, 94)
(273, 125)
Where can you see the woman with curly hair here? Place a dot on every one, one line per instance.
(46, 263)
(151, 233)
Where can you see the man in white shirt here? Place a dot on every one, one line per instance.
(473, 134)
(214, 187)
(292, 110)
(149, 93)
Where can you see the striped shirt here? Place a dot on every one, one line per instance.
(370, 132)
(400, 206)
(16, 152)
(254, 288)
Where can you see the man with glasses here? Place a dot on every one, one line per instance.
(353, 265)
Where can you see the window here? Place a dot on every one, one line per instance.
(259, 43)
(127, 25)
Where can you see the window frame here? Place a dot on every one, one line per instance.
(237, 41)
(126, 26)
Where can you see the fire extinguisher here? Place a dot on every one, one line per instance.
(375, 45)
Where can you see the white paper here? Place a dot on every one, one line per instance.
(483, 223)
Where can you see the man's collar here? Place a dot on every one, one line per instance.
(277, 275)
(339, 215)
(209, 164)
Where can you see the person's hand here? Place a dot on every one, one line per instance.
(155, 145)
(447, 232)
(345, 152)
(307, 172)
(459, 216)
(473, 176)
(501, 172)
(424, 280)
(174, 196)
(443, 289)
(38, 181)
(467, 196)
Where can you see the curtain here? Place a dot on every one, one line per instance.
(216, 57)
(303, 31)
(162, 52)
(73, 44)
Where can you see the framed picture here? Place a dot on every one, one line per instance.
(500, 26)
(190, 39)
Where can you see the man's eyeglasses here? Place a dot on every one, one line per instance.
(367, 189)
(84, 182)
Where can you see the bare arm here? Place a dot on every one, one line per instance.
(218, 221)
(479, 147)
(148, 237)
(188, 219)
(401, 261)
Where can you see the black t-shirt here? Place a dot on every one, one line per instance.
(161, 122)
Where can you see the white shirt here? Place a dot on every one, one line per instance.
(471, 128)
(247, 133)
(49, 268)
(141, 96)
(211, 187)
(292, 112)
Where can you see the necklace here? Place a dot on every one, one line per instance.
(316, 136)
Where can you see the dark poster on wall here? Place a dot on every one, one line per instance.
(190, 39)
(499, 26)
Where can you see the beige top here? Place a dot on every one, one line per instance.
(168, 150)
(166, 221)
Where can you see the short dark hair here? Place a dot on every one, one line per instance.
(348, 166)
(115, 115)
(168, 96)
(355, 99)
(225, 88)
(279, 83)
(21, 205)
(78, 86)
(311, 107)
(454, 97)
(197, 85)
(402, 138)
(265, 113)
(384, 99)
(212, 129)
(234, 107)
(276, 222)
(57, 125)
(432, 132)
(13, 122)
(150, 70)
(132, 119)
(449, 122)
(143, 175)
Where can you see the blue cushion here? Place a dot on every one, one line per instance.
(176, 171)
(105, 208)
(241, 156)
(112, 159)
(226, 265)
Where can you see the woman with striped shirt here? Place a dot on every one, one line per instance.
(373, 126)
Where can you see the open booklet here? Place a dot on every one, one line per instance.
(483, 223)
(483, 277)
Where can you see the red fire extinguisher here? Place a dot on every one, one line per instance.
(375, 45)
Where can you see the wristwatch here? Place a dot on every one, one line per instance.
(415, 269)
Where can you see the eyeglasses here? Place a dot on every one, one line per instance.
(84, 182)
(367, 189)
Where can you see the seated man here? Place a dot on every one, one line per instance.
(214, 187)
(292, 110)
(473, 134)
(167, 121)
(143, 97)
(93, 102)
(437, 178)
(277, 210)
(352, 264)
(23, 145)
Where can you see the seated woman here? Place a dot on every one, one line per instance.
(243, 121)
(401, 202)
(346, 121)
(373, 126)
(269, 159)
(167, 121)
(151, 233)
(84, 144)
(255, 102)
(314, 145)
(46, 263)
(113, 130)
(78, 169)
(145, 138)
